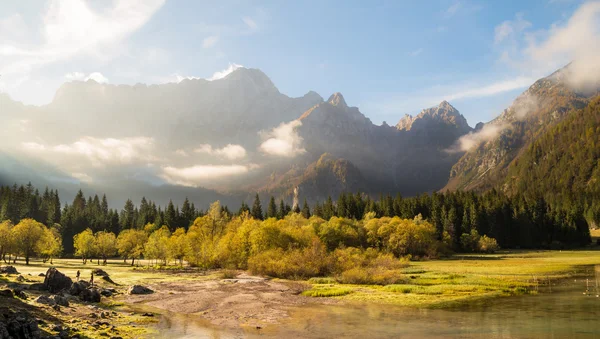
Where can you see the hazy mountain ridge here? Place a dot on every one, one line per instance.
(185, 125)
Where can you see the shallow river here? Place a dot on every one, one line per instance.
(563, 312)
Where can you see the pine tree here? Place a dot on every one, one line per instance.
(305, 209)
(257, 212)
(272, 209)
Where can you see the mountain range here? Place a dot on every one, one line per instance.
(229, 138)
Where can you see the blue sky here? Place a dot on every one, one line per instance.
(388, 58)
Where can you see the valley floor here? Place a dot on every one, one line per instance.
(242, 302)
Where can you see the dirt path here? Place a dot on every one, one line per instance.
(243, 301)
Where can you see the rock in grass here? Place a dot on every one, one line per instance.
(139, 289)
(60, 300)
(20, 278)
(55, 281)
(8, 270)
(45, 300)
(90, 295)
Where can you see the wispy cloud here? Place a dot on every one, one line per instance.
(210, 41)
(453, 9)
(491, 89)
(510, 28)
(250, 23)
(416, 52)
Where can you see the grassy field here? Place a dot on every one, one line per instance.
(462, 279)
(466, 278)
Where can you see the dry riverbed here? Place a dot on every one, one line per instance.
(242, 301)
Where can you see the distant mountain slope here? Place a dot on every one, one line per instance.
(328, 176)
(563, 163)
(496, 144)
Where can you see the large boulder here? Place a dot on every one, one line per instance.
(139, 289)
(56, 281)
(8, 270)
(90, 295)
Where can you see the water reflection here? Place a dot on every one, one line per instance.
(565, 312)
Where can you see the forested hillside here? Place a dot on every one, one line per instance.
(563, 164)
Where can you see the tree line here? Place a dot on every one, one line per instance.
(514, 221)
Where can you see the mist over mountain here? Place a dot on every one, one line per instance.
(236, 135)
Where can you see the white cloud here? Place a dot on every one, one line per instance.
(70, 27)
(544, 50)
(473, 139)
(79, 76)
(578, 41)
(201, 174)
(99, 152)
(221, 74)
(231, 152)
(250, 23)
(284, 140)
(416, 52)
(210, 41)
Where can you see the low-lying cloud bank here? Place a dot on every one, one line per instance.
(283, 140)
(202, 175)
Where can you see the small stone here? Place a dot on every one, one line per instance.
(93, 316)
(20, 278)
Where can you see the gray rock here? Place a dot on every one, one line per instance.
(90, 295)
(60, 300)
(78, 287)
(55, 281)
(8, 270)
(46, 300)
(139, 289)
(20, 278)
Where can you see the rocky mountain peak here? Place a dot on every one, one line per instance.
(444, 113)
(336, 99)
